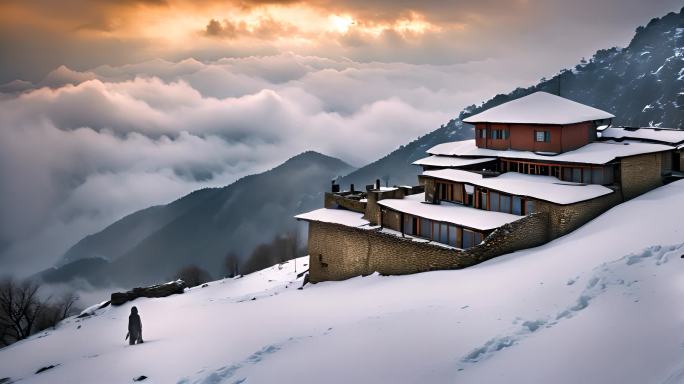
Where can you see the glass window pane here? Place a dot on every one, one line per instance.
(408, 224)
(529, 206)
(435, 231)
(517, 205)
(452, 236)
(577, 175)
(539, 136)
(425, 228)
(477, 236)
(444, 234)
(597, 175)
(467, 239)
(567, 174)
(493, 201)
(505, 203)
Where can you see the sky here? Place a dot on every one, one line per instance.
(107, 107)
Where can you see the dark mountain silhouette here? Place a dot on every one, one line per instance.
(642, 85)
(202, 227)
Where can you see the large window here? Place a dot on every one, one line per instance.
(493, 201)
(425, 228)
(408, 224)
(468, 239)
(443, 233)
(482, 133)
(453, 236)
(517, 205)
(542, 136)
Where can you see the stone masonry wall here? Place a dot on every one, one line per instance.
(564, 219)
(530, 231)
(338, 252)
(639, 174)
(332, 200)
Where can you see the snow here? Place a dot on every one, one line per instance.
(450, 213)
(513, 319)
(334, 216)
(540, 187)
(449, 161)
(594, 153)
(539, 108)
(666, 136)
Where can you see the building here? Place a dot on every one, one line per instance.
(538, 167)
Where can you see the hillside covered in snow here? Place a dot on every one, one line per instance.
(601, 305)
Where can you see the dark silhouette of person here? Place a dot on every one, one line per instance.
(134, 327)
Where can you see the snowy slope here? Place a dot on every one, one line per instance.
(601, 305)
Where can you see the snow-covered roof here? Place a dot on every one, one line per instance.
(334, 216)
(449, 161)
(539, 108)
(668, 136)
(449, 213)
(540, 187)
(594, 153)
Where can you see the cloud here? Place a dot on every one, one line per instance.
(79, 150)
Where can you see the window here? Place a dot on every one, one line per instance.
(493, 201)
(577, 175)
(483, 200)
(542, 136)
(529, 206)
(482, 133)
(505, 203)
(435, 231)
(443, 234)
(477, 238)
(517, 205)
(468, 239)
(499, 134)
(453, 236)
(408, 224)
(425, 228)
(597, 175)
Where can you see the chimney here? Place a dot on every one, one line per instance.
(377, 183)
(335, 187)
(351, 188)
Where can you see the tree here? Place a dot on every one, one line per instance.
(23, 312)
(19, 309)
(193, 275)
(53, 313)
(230, 264)
(279, 250)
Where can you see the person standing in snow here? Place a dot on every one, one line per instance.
(134, 327)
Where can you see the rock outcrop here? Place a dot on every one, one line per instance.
(160, 290)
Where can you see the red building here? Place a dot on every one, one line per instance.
(540, 122)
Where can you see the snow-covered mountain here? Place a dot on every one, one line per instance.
(601, 305)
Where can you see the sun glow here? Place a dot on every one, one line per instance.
(340, 23)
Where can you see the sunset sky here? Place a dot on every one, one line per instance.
(107, 107)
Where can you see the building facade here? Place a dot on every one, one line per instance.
(538, 168)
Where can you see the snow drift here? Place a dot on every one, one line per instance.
(600, 305)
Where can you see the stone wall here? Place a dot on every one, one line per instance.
(332, 200)
(530, 231)
(339, 252)
(373, 210)
(639, 174)
(564, 219)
